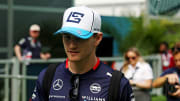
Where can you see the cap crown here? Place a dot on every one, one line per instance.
(82, 18)
(34, 27)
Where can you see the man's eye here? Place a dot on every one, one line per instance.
(67, 37)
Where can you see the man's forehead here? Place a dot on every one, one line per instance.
(73, 36)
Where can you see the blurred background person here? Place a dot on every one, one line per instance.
(30, 47)
(139, 73)
(166, 56)
(170, 80)
(176, 47)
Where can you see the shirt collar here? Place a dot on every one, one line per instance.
(138, 64)
(94, 68)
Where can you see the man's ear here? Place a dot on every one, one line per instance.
(98, 38)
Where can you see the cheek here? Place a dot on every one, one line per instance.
(64, 44)
(178, 63)
(35, 35)
(133, 61)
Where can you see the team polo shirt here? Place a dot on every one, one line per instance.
(169, 71)
(94, 85)
(29, 45)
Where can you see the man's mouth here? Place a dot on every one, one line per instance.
(73, 52)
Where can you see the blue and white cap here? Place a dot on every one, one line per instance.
(81, 22)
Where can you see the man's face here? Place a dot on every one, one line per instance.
(162, 48)
(34, 34)
(177, 60)
(78, 49)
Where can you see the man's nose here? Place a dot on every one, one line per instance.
(73, 42)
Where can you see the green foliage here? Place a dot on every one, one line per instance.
(147, 39)
(109, 29)
(158, 98)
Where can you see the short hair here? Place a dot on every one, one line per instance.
(165, 43)
(176, 52)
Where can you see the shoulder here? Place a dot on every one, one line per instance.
(144, 65)
(43, 72)
(41, 76)
(124, 81)
(22, 40)
(105, 68)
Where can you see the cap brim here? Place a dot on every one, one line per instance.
(83, 34)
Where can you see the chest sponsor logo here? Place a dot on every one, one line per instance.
(56, 97)
(57, 84)
(95, 88)
(91, 98)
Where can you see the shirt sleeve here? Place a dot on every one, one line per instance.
(168, 71)
(148, 72)
(38, 94)
(126, 93)
(22, 43)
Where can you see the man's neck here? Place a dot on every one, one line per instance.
(83, 66)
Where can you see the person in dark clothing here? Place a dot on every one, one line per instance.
(30, 47)
(171, 76)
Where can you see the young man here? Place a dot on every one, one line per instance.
(82, 77)
(30, 47)
(173, 76)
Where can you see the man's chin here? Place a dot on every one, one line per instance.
(74, 59)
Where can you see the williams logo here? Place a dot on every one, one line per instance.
(95, 88)
(75, 17)
(58, 84)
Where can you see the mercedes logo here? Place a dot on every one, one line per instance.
(58, 84)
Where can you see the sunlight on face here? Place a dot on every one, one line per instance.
(132, 57)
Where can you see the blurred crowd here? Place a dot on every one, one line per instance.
(140, 75)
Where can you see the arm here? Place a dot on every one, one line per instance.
(146, 84)
(17, 50)
(172, 79)
(159, 82)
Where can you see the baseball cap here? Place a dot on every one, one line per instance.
(34, 27)
(81, 22)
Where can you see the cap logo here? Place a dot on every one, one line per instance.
(75, 17)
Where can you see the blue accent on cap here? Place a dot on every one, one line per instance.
(81, 33)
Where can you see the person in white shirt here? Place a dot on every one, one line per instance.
(139, 74)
